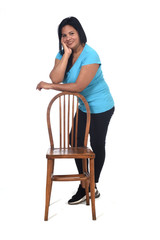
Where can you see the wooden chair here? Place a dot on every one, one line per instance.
(67, 110)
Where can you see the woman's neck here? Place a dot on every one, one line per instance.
(78, 50)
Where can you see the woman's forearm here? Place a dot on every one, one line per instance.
(58, 72)
(68, 87)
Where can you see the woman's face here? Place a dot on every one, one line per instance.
(70, 37)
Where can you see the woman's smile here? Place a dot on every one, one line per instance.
(70, 43)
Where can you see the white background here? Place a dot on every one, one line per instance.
(126, 35)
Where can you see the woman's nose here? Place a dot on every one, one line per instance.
(67, 37)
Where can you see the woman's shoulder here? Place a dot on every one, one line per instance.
(89, 49)
(90, 55)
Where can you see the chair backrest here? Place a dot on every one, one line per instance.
(68, 106)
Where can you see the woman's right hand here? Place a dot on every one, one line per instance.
(67, 50)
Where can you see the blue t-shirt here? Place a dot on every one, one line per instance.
(97, 93)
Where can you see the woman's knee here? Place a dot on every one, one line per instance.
(98, 147)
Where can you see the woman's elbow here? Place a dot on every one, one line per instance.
(50, 76)
(53, 79)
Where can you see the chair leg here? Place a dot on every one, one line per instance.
(86, 182)
(92, 188)
(50, 165)
(87, 192)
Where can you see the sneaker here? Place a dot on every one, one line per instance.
(80, 196)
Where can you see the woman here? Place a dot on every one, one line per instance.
(78, 67)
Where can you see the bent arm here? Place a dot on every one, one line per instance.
(86, 75)
(58, 72)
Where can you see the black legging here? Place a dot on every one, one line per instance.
(98, 131)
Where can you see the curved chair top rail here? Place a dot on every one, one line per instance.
(79, 96)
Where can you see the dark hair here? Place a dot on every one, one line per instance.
(74, 22)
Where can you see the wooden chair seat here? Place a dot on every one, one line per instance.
(72, 152)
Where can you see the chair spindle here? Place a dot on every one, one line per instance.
(72, 121)
(68, 118)
(64, 125)
(76, 127)
(60, 117)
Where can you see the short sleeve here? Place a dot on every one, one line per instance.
(59, 56)
(91, 58)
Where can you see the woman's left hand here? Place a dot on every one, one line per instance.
(43, 85)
